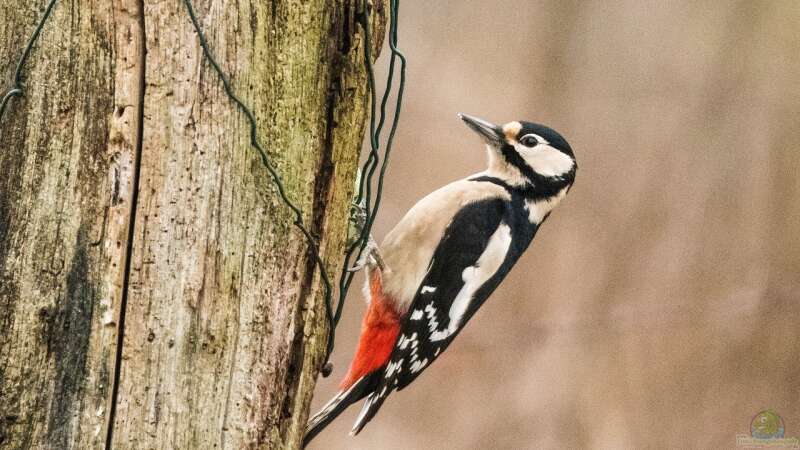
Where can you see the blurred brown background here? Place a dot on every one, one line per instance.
(659, 306)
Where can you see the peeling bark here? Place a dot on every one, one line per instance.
(133, 211)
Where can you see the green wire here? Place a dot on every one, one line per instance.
(365, 186)
(372, 162)
(17, 89)
(364, 195)
(298, 214)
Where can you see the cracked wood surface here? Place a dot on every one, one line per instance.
(67, 159)
(224, 322)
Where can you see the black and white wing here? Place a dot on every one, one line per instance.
(479, 247)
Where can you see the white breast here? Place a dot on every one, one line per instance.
(409, 247)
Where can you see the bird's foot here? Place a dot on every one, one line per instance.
(370, 258)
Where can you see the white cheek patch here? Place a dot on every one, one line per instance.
(546, 160)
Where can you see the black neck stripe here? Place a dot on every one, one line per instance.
(516, 160)
(526, 191)
(540, 186)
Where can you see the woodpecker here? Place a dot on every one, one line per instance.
(445, 258)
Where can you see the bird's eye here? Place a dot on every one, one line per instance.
(529, 141)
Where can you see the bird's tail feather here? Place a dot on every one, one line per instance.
(368, 411)
(360, 389)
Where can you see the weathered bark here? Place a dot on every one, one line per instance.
(131, 204)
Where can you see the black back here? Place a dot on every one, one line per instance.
(464, 241)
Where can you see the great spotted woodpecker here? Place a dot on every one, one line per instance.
(445, 257)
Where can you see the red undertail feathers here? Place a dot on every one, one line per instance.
(379, 331)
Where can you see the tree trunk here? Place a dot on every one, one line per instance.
(153, 290)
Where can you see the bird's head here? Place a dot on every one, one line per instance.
(526, 154)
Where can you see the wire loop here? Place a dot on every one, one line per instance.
(370, 165)
(17, 90)
(364, 197)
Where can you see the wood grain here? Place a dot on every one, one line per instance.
(120, 157)
(67, 159)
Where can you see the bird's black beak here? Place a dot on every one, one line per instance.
(490, 132)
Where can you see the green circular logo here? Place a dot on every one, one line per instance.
(767, 425)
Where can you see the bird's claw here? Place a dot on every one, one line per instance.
(370, 258)
(358, 266)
